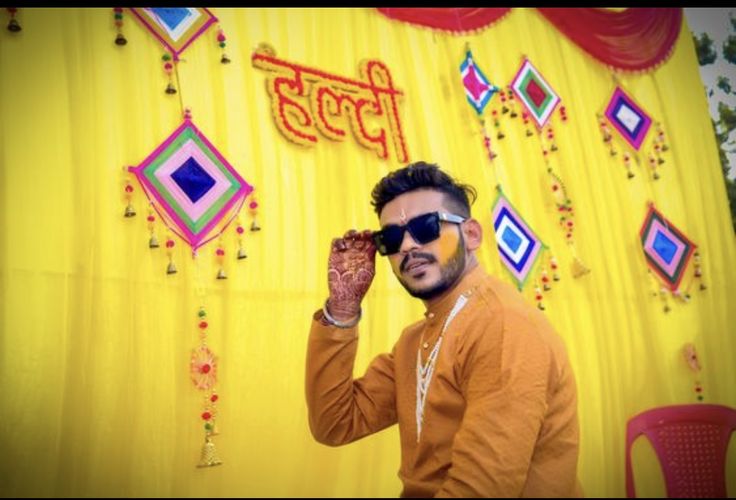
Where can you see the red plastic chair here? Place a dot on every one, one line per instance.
(690, 442)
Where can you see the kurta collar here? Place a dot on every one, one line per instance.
(467, 284)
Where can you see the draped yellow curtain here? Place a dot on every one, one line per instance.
(96, 337)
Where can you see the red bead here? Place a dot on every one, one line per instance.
(128, 188)
(554, 266)
(555, 187)
(569, 235)
(253, 205)
(240, 229)
(698, 389)
(564, 118)
(203, 324)
(168, 66)
(545, 279)
(494, 112)
(569, 223)
(169, 243)
(118, 9)
(205, 368)
(220, 37)
(206, 415)
(214, 398)
(220, 252)
(539, 297)
(119, 23)
(150, 218)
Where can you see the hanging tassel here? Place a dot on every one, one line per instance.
(13, 25)
(698, 273)
(504, 109)
(553, 265)
(496, 124)
(525, 118)
(486, 140)
(171, 268)
(653, 166)
(627, 164)
(221, 41)
(129, 210)
(240, 230)
(220, 253)
(545, 281)
(209, 454)
(512, 103)
(152, 242)
(168, 69)
(253, 209)
(538, 296)
(119, 39)
(563, 114)
(551, 138)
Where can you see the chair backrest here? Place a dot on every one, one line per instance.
(690, 442)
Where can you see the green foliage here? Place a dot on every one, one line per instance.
(727, 118)
(704, 48)
(724, 84)
(729, 49)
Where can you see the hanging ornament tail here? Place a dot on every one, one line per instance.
(120, 38)
(169, 69)
(221, 42)
(13, 25)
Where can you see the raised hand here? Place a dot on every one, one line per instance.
(350, 271)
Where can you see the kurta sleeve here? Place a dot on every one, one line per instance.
(506, 373)
(341, 409)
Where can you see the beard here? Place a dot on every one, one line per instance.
(449, 274)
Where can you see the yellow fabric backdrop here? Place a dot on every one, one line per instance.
(96, 398)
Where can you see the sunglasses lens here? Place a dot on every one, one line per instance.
(388, 240)
(425, 228)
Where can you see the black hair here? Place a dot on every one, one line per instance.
(422, 175)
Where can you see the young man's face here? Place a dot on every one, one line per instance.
(425, 270)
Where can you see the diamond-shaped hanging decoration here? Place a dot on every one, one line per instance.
(535, 93)
(175, 27)
(478, 88)
(666, 248)
(518, 245)
(630, 120)
(191, 183)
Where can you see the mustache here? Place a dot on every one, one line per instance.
(416, 255)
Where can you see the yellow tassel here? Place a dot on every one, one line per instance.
(578, 268)
(209, 454)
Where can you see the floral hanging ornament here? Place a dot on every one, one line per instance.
(240, 230)
(203, 370)
(253, 210)
(168, 66)
(479, 91)
(118, 15)
(13, 25)
(194, 190)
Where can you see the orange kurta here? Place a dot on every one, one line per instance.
(500, 419)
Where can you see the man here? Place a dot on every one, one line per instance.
(481, 388)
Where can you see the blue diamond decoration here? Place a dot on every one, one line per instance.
(171, 17)
(664, 247)
(512, 239)
(193, 180)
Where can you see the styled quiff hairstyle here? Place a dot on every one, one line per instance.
(422, 175)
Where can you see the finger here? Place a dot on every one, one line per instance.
(351, 234)
(338, 245)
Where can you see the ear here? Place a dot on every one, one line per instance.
(473, 234)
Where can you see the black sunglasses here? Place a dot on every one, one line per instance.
(423, 228)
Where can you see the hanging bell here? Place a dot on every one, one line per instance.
(170, 89)
(221, 274)
(546, 287)
(630, 174)
(655, 176)
(171, 268)
(504, 109)
(129, 210)
(702, 286)
(513, 114)
(665, 147)
(666, 308)
(500, 135)
(554, 147)
(242, 254)
(225, 59)
(14, 26)
(153, 242)
(540, 306)
(120, 39)
(254, 225)
(556, 277)
(660, 161)
(528, 133)
(209, 454)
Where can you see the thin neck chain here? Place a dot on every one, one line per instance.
(426, 370)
